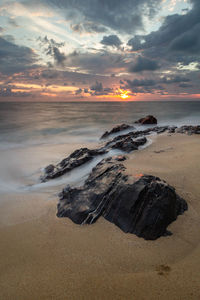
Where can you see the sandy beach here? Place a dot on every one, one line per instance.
(43, 257)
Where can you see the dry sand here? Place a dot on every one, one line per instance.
(43, 257)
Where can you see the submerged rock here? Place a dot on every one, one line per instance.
(147, 120)
(143, 205)
(116, 129)
(76, 159)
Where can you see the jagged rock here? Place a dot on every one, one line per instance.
(125, 142)
(49, 169)
(189, 129)
(143, 205)
(76, 159)
(172, 129)
(147, 120)
(116, 129)
(136, 134)
(160, 129)
(128, 144)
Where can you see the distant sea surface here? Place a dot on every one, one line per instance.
(35, 134)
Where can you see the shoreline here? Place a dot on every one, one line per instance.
(51, 258)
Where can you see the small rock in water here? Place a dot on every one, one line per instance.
(147, 120)
(116, 129)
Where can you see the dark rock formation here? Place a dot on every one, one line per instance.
(138, 133)
(189, 129)
(147, 120)
(116, 129)
(76, 159)
(128, 144)
(172, 129)
(143, 205)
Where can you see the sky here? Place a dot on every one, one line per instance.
(94, 50)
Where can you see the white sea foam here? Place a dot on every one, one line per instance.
(32, 135)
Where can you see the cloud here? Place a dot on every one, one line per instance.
(177, 39)
(97, 87)
(98, 62)
(52, 49)
(173, 79)
(157, 84)
(111, 40)
(144, 64)
(185, 85)
(88, 27)
(14, 58)
(141, 82)
(49, 74)
(188, 42)
(13, 22)
(122, 16)
(78, 92)
(6, 91)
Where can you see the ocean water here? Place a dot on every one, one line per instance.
(33, 135)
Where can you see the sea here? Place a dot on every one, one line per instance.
(33, 135)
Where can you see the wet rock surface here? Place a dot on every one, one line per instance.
(143, 205)
(116, 129)
(128, 142)
(189, 129)
(147, 120)
(136, 134)
(76, 159)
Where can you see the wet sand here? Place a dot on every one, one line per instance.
(43, 257)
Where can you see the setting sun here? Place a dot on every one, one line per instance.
(123, 94)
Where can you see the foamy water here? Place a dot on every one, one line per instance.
(33, 135)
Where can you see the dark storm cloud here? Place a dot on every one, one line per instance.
(177, 40)
(144, 64)
(14, 58)
(49, 74)
(157, 84)
(111, 40)
(52, 49)
(141, 85)
(185, 85)
(97, 87)
(124, 16)
(6, 91)
(188, 42)
(88, 27)
(97, 63)
(174, 79)
(141, 82)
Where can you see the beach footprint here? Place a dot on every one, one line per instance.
(163, 270)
